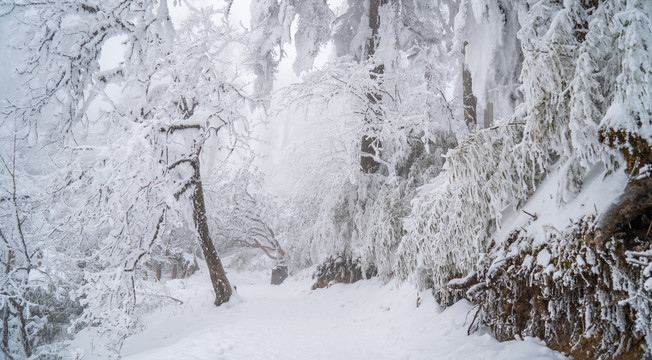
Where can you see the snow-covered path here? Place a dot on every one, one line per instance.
(365, 320)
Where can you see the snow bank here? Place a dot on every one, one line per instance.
(599, 191)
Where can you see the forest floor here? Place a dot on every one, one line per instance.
(365, 320)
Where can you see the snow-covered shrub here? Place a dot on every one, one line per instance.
(452, 217)
(341, 269)
(642, 299)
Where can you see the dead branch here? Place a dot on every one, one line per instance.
(172, 128)
(534, 217)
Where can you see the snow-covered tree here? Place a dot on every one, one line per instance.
(244, 216)
(174, 102)
(55, 48)
(626, 127)
(356, 208)
(501, 166)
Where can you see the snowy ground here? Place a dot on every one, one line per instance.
(366, 320)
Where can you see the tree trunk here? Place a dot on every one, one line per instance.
(5, 327)
(469, 100)
(5, 312)
(635, 201)
(367, 148)
(374, 25)
(24, 341)
(221, 284)
(489, 115)
(158, 272)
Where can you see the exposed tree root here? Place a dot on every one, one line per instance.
(635, 201)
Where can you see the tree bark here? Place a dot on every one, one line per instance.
(158, 272)
(5, 327)
(221, 284)
(635, 200)
(369, 143)
(374, 25)
(5, 312)
(469, 100)
(488, 115)
(24, 340)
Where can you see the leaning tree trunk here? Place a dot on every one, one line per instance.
(216, 271)
(635, 200)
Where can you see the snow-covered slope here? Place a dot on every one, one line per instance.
(365, 320)
(598, 193)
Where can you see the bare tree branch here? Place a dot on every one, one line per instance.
(183, 189)
(179, 162)
(149, 246)
(173, 128)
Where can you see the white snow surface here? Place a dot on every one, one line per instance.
(598, 193)
(365, 320)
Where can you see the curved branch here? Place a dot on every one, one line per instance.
(179, 162)
(265, 249)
